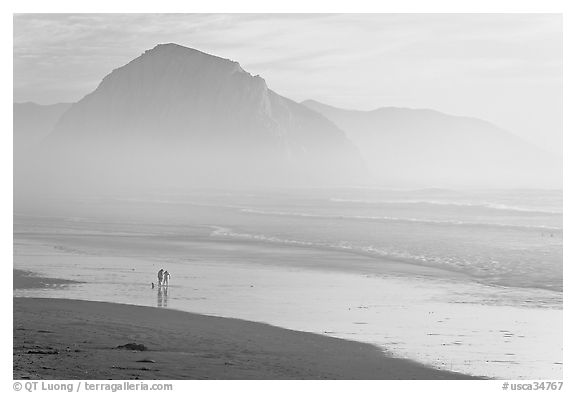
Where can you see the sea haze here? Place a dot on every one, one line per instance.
(437, 237)
(500, 237)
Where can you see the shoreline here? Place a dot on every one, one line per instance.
(364, 262)
(57, 338)
(422, 323)
(76, 339)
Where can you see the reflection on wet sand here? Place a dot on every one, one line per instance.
(162, 296)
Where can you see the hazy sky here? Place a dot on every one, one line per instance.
(504, 68)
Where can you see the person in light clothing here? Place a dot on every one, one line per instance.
(166, 279)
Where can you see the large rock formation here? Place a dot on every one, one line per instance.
(176, 116)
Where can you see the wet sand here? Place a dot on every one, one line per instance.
(23, 279)
(74, 339)
(441, 323)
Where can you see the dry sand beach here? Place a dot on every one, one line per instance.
(68, 339)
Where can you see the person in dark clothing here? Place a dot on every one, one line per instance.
(160, 276)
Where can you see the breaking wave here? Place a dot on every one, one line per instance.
(404, 220)
(484, 205)
(489, 270)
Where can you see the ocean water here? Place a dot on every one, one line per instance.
(465, 280)
(500, 237)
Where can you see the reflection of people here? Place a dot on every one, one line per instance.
(162, 297)
(166, 278)
(160, 276)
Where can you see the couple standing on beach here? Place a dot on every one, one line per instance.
(163, 277)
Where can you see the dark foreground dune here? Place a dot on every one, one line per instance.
(73, 339)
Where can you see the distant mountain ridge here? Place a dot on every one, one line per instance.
(177, 113)
(424, 147)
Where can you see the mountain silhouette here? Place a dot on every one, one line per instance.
(178, 116)
(422, 147)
